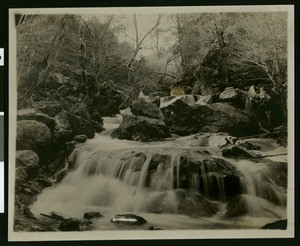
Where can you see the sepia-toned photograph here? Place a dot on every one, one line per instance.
(144, 123)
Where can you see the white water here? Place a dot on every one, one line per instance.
(114, 176)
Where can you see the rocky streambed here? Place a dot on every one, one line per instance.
(177, 161)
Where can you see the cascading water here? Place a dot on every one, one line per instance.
(175, 184)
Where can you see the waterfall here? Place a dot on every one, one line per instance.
(164, 178)
(248, 105)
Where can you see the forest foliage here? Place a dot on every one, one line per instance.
(208, 50)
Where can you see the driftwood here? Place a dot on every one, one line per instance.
(54, 216)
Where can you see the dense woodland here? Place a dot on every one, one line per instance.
(211, 51)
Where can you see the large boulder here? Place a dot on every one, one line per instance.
(148, 109)
(196, 171)
(217, 178)
(180, 118)
(69, 125)
(141, 128)
(183, 119)
(49, 107)
(29, 160)
(34, 114)
(235, 96)
(33, 135)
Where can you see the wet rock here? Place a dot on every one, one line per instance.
(72, 159)
(236, 152)
(183, 119)
(27, 196)
(232, 186)
(140, 128)
(80, 138)
(34, 114)
(50, 107)
(248, 145)
(148, 109)
(279, 224)
(98, 127)
(196, 205)
(152, 228)
(278, 171)
(43, 182)
(92, 215)
(33, 135)
(61, 175)
(215, 178)
(128, 219)
(236, 207)
(70, 225)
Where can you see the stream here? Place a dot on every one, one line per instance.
(175, 184)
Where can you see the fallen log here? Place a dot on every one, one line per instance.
(54, 216)
(268, 134)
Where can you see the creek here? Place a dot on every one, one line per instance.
(178, 183)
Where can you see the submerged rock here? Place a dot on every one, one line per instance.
(61, 175)
(279, 224)
(80, 138)
(236, 207)
(140, 128)
(128, 219)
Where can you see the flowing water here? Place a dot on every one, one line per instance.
(182, 183)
